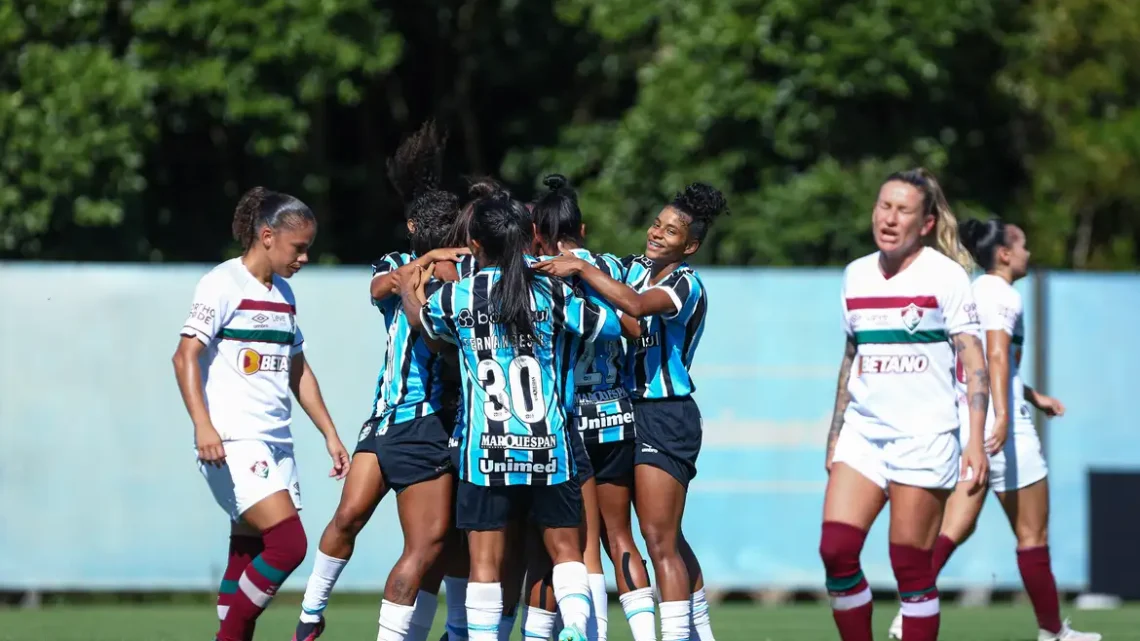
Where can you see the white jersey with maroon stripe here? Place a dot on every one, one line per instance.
(902, 380)
(250, 332)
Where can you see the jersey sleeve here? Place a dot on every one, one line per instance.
(209, 311)
(593, 320)
(466, 266)
(844, 317)
(686, 292)
(958, 309)
(998, 308)
(436, 315)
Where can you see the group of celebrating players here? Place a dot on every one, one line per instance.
(533, 391)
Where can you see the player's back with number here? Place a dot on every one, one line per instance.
(513, 402)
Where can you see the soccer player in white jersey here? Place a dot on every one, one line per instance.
(907, 311)
(240, 354)
(1017, 466)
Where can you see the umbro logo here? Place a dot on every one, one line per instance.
(260, 318)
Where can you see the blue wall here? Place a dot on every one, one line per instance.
(99, 488)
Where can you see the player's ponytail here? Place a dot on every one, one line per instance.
(556, 213)
(415, 171)
(260, 207)
(982, 239)
(944, 237)
(501, 225)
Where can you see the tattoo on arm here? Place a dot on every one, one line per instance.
(842, 396)
(969, 349)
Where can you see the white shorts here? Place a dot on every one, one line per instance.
(1019, 463)
(253, 471)
(930, 461)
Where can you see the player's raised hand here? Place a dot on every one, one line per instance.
(209, 444)
(339, 456)
(453, 254)
(563, 266)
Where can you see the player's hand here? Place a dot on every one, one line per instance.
(421, 285)
(407, 277)
(1051, 406)
(975, 468)
(997, 438)
(209, 444)
(453, 254)
(830, 454)
(339, 456)
(562, 266)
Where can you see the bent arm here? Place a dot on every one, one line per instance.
(650, 302)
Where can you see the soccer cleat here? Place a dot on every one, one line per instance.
(1067, 634)
(309, 631)
(571, 634)
(895, 631)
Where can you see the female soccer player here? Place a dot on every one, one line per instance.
(1017, 466)
(600, 408)
(907, 310)
(240, 355)
(511, 327)
(403, 445)
(670, 299)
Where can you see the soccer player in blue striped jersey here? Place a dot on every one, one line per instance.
(511, 327)
(403, 444)
(667, 295)
(602, 411)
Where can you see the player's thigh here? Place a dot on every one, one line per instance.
(363, 489)
(856, 485)
(253, 472)
(916, 515)
(425, 510)
(962, 509)
(1027, 509)
(486, 548)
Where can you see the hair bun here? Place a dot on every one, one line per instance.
(971, 230)
(555, 181)
(701, 201)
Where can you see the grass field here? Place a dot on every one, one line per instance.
(357, 622)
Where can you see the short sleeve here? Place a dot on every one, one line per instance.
(611, 266)
(998, 309)
(298, 341)
(844, 316)
(957, 305)
(436, 315)
(685, 291)
(389, 263)
(593, 320)
(208, 312)
(466, 266)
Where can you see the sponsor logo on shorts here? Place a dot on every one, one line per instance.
(604, 419)
(911, 317)
(517, 442)
(894, 364)
(260, 468)
(487, 466)
(648, 449)
(296, 489)
(251, 362)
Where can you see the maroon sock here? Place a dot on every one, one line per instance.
(839, 547)
(943, 548)
(285, 546)
(242, 550)
(913, 571)
(1037, 574)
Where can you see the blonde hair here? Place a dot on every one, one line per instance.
(945, 237)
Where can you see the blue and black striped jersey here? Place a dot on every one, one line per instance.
(599, 402)
(410, 384)
(657, 364)
(513, 414)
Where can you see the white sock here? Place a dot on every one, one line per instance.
(423, 617)
(395, 619)
(506, 626)
(326, 570)
(484, 610)
(701, 625)
(537, 623)
(675, 621)
(638, 607)
(455, 591)
(572, 593)
(599, 603)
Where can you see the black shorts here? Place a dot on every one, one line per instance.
(366, 441)
(581, 457)
(482, 508)
(413, 452)
(612, 462)
(668, 436)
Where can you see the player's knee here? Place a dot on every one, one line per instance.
(912, 567)
(1032, 537)
(288, 542)
(839, 547)
(349, 520)
(660, 540)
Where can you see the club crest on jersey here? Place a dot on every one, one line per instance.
(911, 317)
(260, 468)
(251, 362)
